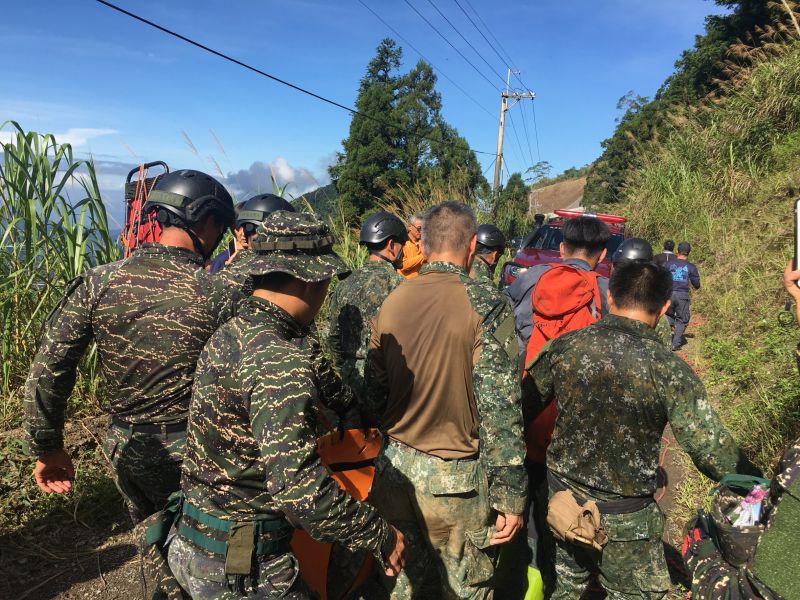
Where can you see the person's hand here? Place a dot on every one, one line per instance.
(54, 472)
(507, 527)
(790, 279)
(397, 559)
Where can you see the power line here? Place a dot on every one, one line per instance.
(508, 63)
(516, 136)
(267, 75)
(449, 22)
(441, 35)
(489, 30)
(503, 60)
(527, 136)
(410, 45)
(486, 170)
(536, 132)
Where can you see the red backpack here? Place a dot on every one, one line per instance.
(565, 299)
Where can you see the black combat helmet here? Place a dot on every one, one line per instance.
(381, 226)
(258, 208)
(183, 198)
(633, 250)
(538, 218)
(491, 237)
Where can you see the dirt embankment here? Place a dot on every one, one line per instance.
(564, 194)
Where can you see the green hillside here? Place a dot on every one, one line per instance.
(722, 173)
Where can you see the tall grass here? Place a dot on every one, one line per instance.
(53, 226)
(724, 179)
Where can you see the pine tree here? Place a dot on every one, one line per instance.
(365, 169)
(407, 141)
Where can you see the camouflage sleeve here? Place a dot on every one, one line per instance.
(698, 429)
(334, 392)
(226, 299)
(52, 374)
(282, 417)
(334, 341)
(497, 396)
(537, 385)
(376, 391)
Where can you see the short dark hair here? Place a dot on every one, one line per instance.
(585, 235)
(642, 286)
(448, 226)
(375, 248)
(669, 245)
(684, 248)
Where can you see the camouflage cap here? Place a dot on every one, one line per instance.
(295, 243)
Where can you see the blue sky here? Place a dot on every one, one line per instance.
(125, 93)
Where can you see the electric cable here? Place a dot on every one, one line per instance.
(268, 75)
(426, 59)
(527, 135)
(521, 156)
(490, 31)
(441, 35)
(461, 35)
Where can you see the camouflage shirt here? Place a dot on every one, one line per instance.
(617, 386)
(150, 316)
(235, 275)
(354, 303)
(494, 385)
(251, 444)
(480, 270)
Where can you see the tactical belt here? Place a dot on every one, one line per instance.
(149, 427)
(623, 506)
(235, 540)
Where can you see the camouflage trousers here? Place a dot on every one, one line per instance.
(442, 508)
(631, 565)
(202, 575)
(146, 466)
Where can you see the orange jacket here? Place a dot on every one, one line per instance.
(412, 260)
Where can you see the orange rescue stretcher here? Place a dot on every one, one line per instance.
(350, 457)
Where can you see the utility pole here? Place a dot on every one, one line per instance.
(498, 163)
(504, 107)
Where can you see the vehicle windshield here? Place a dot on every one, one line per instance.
(549, 238)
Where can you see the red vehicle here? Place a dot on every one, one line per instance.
(543, 247)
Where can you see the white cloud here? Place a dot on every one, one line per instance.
(258, 178)
(76, 136)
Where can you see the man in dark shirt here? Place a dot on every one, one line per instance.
(683, 273)
(669, 252)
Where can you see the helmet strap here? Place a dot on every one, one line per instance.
(198, 245)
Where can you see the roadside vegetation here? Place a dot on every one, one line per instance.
(713, 159)
(723, 174)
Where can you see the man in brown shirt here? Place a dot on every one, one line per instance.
(443, 385)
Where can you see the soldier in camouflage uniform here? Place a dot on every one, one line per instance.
(617, 386)
(639, 250)
(443, 380)
(491, 245)
(253, 213)
(150, 316)
(357, 299)
(251, 460)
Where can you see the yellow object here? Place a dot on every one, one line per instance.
(535, 585)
